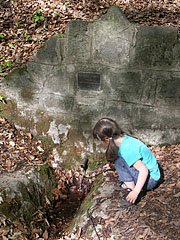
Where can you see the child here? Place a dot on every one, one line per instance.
(135, 164)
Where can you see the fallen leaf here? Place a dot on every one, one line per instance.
(45, 234)
(177, 194)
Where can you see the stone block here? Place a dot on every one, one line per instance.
(153, 47)
(168, 90)
(112, 37)
(78, 41)
(126, 86)
(51, 52)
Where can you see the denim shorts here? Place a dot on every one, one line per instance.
(130, 174)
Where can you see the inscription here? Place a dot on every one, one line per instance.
(89, 81)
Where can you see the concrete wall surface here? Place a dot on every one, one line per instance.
(106, 68)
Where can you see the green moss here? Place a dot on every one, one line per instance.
(27, 95)
(71, 160)
(26, 195)
(2, 114)
(15, 208)
(47, 177)
(43, 123)
(60, 35)
(45, 172)
(93, 165)
(9, 208)
(8, 110)
(86, 204)
(27, 212)
(95, 160)
(67, 165)
(47, 141)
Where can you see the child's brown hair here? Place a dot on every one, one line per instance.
(108, 128)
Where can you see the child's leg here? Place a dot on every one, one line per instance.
(124, 174)
(130, 185)
(150, 182)
(129, 175)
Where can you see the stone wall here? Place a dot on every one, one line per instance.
(106, 68)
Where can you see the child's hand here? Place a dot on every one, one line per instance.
(132, 196)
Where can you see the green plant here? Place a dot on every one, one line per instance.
(1, 35)
(16, 23)
(148, 144)
(38, 16)
(27, 37)
(2, 68)
(11, 45)
(56, 15)
(98, 162)
(2, 99)
(8, 64)
(60, 35)
(38, 12)
(3, 57)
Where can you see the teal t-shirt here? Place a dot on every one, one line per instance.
(132, 150)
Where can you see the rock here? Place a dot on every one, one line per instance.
(22, 192)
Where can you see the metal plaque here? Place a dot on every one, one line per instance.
(89, 81)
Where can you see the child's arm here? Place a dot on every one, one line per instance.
(143, 173)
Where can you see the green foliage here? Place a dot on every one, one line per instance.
(38, 16)
(16, 23)
(3, 100)
(8, 64)
(38, 12)
(27, 37)
(11, 45)
(3, 67)
(148, 144)
(60, 35)
(3, 57)
(1, 35)
(56, 14)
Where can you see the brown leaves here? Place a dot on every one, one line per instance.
(71, 183)
(177, 195)
(18, 149)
